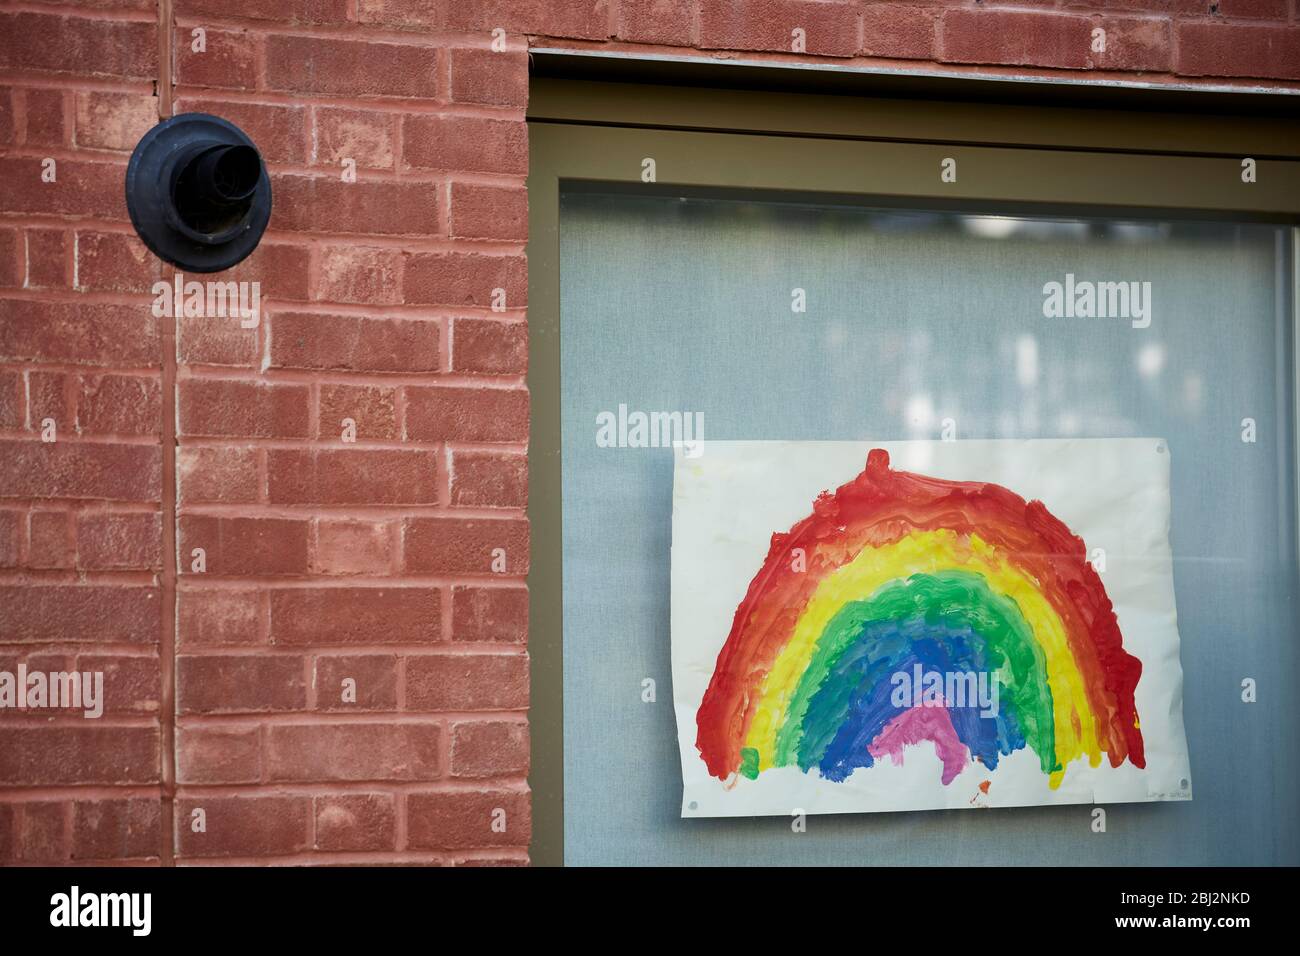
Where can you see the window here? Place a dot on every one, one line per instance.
(801, 287)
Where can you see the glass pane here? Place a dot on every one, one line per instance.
(670, 304)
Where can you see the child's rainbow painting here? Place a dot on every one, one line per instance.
(924, 630)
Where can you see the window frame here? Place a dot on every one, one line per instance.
(1011, 159)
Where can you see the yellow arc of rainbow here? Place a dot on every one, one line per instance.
(927, 552)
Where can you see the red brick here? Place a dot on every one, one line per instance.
(48, 401)
(47, 259)
(12, 399)
(372, 407)
(494, 615)
(467, 682)
(284, 11)
(280, 269)
(367, 207)
(464, 278)
(112, 120)
(36, 469)
(360, 274)
(11, 525)
(489, 78)
(299, 64)
(1261, 9)
(489, 748)
(1134, 44)
(356, 821)
(351, 751)
(229, 59)
(666, 22)
(108, 4)
(489, 347)
(305, 340)
(1016, 37)
(53, 755)
(45, 117)
(218, 618)
(830, 27)
(216, 341)
(278, 130)
(50, 395)
(435, 413)
(86, 46)
(254, 546)
(79, 188)
(464, 819)
(353, 547)
(218, 755)
(34, 614)
(119, 541)
(32, 832)
(1224, 49)
(244, 826)
(465, 545)
(89, 334)
(40, 831)
(131, 683)
(120, 405)
(489, 479)
(243, 409)
(898, 32)
(363, 136)
(357, 616)
(351, 476)
(490, 861)
(51, 661)
(12, 251)
(115, 262)
(465, 144)
(239, 684)
(51, 541)
(583, 19)
(489, 212)
(219, 298)
(375, 677)
(411, 14)
(127, 829)
(209, 475)
(1140, 6)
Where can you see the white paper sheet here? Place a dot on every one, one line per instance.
(1114, 493)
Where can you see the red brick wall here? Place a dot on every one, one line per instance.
(328, 560)
(80, 530)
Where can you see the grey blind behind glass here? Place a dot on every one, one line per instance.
(913, 317)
